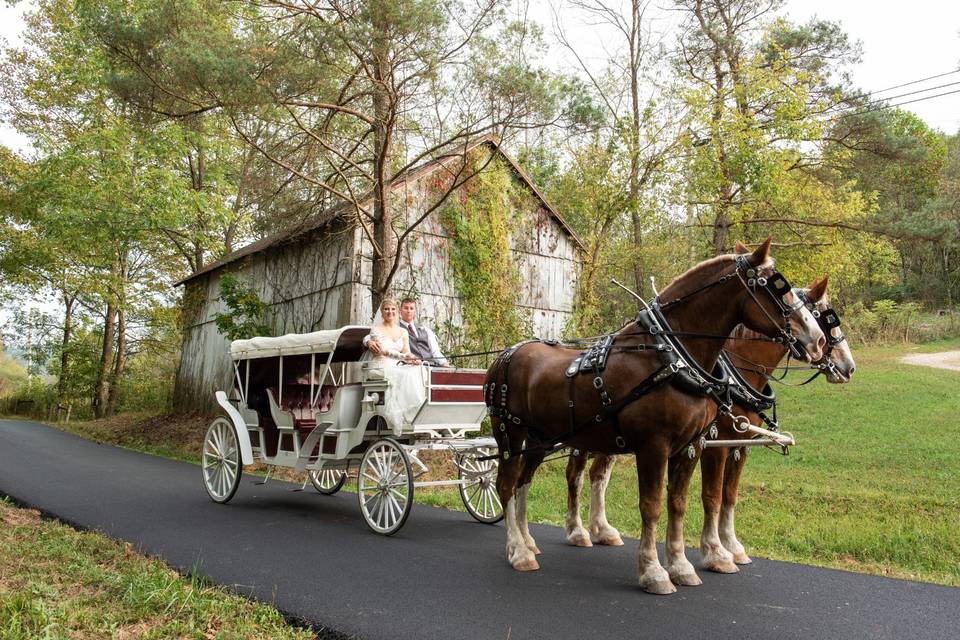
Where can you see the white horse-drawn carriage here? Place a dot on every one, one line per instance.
(308, 402)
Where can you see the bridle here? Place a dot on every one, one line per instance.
(777, 286)
(828, 320)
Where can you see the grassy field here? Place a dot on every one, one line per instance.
(873, 484)
(56, 582)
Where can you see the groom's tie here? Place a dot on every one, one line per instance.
(411, 330)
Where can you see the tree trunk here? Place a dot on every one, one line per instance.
(119, 363)
(634, 185)
(383, 115)
(101, 395)
(121, 358)
(68, 302)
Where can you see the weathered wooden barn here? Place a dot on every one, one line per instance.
(316, 275)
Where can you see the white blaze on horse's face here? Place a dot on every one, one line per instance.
(806, 328)
(841, 358)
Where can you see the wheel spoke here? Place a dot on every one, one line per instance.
(218, 440)
(219, 482)
(381, 512)
(496, 498)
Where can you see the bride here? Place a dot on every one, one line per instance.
(406, 393)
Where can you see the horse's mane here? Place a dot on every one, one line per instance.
(725, 257)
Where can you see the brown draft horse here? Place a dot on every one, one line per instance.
(535, 405)
(721, 467)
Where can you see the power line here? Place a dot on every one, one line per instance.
(892, 106)
(911, 93)
(907, 84)
(876, 101)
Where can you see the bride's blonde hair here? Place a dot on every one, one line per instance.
(388, 301)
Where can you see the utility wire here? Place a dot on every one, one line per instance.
(912, 82)
(911, 93)
(891, 106)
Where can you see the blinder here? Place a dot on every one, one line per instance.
(828, 319)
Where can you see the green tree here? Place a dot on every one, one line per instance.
(758, 88)
(353, 94)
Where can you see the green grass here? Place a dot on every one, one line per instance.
(56, 582)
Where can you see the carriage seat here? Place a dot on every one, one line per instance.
(294, 409)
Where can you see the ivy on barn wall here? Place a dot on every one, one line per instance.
(246, 312)
(478, 220)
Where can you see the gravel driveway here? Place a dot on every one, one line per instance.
(942, 360)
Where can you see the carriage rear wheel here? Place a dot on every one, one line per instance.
(328, 481)
(385, 486)
(479, 487)
(221, 461)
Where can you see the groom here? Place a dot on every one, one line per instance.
(423, 342)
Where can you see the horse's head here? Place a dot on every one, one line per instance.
(837, 361)
(773, 308)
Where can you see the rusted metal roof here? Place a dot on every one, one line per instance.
(328, 215)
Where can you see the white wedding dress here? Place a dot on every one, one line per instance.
(406, 393)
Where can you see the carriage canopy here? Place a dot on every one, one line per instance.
(346, 342)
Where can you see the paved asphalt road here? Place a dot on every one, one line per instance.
(443, 575)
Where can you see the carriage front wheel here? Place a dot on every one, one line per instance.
(328, 481)
(478, 488)
(221, 461)
(385, 486)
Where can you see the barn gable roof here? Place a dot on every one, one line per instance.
(328, 215)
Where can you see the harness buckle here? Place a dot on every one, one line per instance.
(620, 442)
(598, 383)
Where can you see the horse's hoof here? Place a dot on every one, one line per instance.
(742, 558)
(530, 564)
(687, 580)
(721, 566)
(580, 540)
(659, 587)
(611, 541)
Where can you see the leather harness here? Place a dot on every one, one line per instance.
(724, 385)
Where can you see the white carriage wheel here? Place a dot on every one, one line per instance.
(328, 481)
(221, 461)
(385, 486)
(479, 489)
